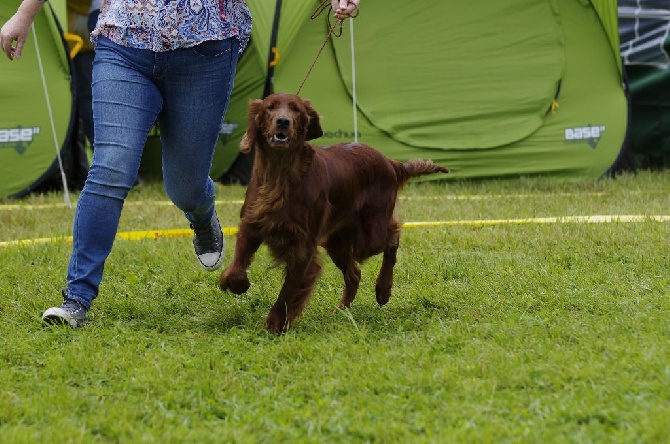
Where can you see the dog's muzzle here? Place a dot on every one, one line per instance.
(280, 137)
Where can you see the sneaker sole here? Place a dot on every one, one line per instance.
(52, 317)
(214, 267)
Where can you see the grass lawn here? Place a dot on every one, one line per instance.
(511, 320)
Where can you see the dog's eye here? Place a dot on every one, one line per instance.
(271, 106)
(294, 108)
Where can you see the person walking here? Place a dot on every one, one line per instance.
(171, 62)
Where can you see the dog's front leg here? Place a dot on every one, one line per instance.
(301, 274)
(234, 277)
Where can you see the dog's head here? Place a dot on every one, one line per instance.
(280, 121)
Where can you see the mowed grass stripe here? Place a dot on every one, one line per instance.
(15, 207)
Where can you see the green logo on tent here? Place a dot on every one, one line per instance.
(18, 138)
(341, 134)
(590, 134)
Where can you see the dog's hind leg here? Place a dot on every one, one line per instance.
(341, 252)
(298, 286)
(385, 277)
(234, 277)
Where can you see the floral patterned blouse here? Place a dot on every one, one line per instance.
(164, 25)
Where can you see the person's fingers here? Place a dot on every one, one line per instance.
(345, 8)
(13, 35)
(6, 44)
(354, 4)
(18, 49)
(351, 6)
(337, 8)
(11, 40)
(339, 5)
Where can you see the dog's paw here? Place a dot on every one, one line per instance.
(383, 294)
(234, 281)
(345, 303)
(276, 323)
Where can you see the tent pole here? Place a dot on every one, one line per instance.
(353, 80)
(51, 119)
(269, 78)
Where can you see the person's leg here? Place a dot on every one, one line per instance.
(125, 105)
(197, 86)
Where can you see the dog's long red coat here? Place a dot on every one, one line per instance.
(300, 196)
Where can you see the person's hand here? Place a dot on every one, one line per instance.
(15, 30)
(343, 9)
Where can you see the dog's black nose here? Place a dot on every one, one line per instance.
(283, 122)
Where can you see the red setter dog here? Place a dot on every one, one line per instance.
(300, 196)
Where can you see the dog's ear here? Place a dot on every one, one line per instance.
(249, 139)
(314, 130)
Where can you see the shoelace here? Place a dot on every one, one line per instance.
(69, 304)
(205, 237)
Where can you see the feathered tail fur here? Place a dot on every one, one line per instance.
(417, 167)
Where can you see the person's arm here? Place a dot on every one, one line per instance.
(344, 8)
(16, 29)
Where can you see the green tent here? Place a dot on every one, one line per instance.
(36, 120)
(504, 89)
(520, 87)
(41, 144)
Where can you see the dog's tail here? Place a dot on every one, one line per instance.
(417, 167)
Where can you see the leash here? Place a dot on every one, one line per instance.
(353, 84)
(331, 31)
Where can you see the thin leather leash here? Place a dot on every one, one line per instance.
(331, 31)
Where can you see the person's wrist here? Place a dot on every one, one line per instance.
(30, 8)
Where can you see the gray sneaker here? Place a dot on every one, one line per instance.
(209, 244)
(70, 312)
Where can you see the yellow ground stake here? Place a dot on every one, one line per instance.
(166, 234)
(124, 235)
(545, 220)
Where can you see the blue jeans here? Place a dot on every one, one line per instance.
(187, 92)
